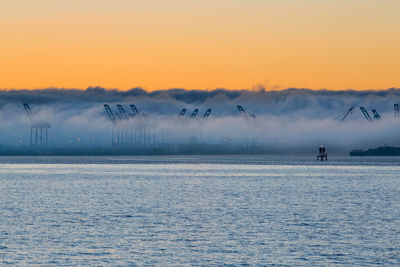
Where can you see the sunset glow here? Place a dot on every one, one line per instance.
(233, 44)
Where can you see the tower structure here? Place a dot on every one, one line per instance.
(39, 130)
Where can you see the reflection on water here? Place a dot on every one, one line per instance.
(199, 211)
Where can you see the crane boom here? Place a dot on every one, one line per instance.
(134, 110)
(122, 112)
(182, 113)
(110, 114)
(207, 114)
(28, 112)
(347, 113)
(366, 114)
(194, 114)
(376, 114)
(243, 113)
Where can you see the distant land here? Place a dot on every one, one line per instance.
(380, 151)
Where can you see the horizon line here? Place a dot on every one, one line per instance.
(258, 89)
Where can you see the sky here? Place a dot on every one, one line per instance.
(200, 44)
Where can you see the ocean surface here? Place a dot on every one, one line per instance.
(199, 211)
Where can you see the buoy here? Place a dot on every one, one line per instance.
(322, 154)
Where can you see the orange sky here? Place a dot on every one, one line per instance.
(200, 44)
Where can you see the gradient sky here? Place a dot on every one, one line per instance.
(200, 44)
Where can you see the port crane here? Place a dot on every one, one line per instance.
(122, 112)
(247, 118)
(110, 115)
(366, 114)
(182, 113)
(207, 114)
(135, 111)
(364, 111)
(39, 129)
(194, 114)
(243, 113)
(115, 133)
(376, 115)
(350, 111)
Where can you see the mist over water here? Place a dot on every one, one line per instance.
(294, 119)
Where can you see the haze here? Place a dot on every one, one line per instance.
(294, 120)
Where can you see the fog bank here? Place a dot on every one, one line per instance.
(287, 119)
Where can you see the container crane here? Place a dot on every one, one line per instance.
(122, 112)
(243, 113)
(182, 113)
(134, 110)
(376, 115)
(248, 118)
(366, 114)
(207, 114)
(29, 112)
(194, 114)
(350, 111)
(39, 129)
(115, 134)
(110, 115)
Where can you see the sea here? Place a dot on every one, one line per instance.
(199, 211)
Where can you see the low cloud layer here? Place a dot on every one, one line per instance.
(292, 118)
